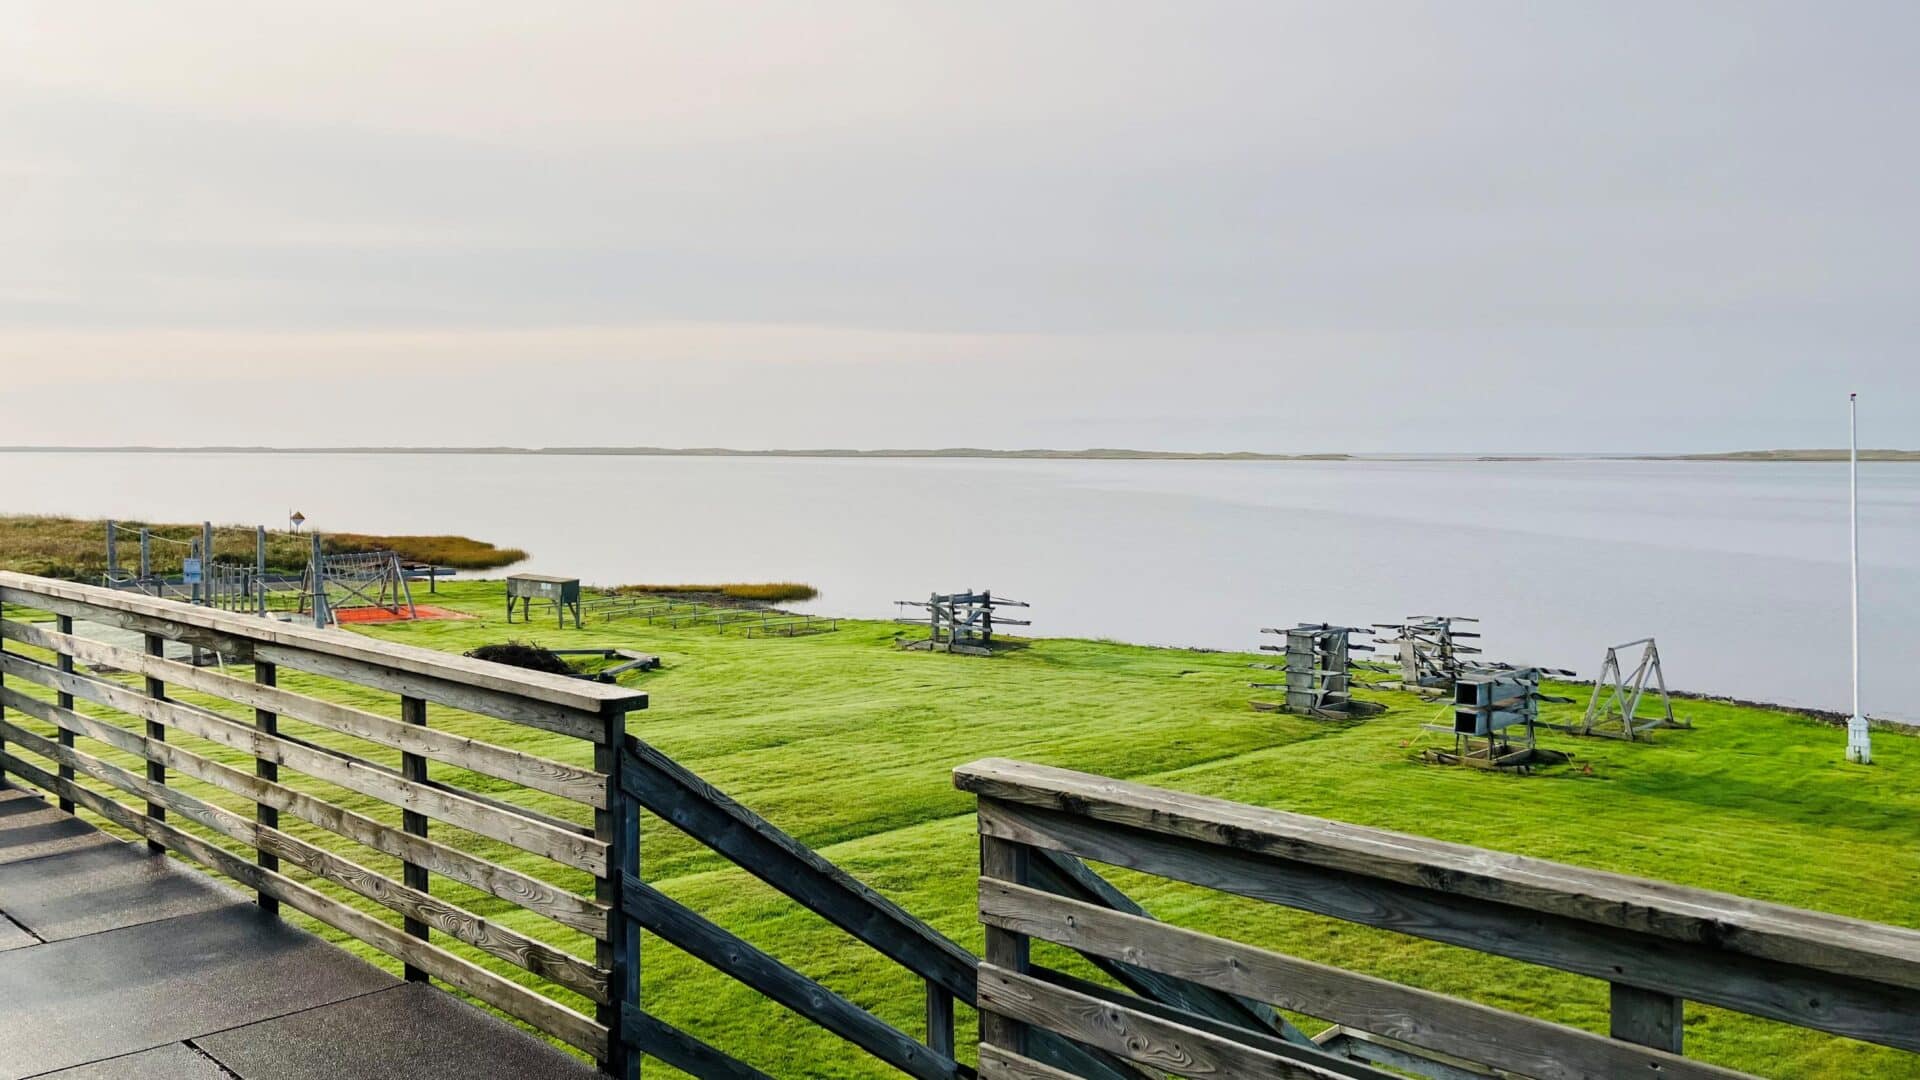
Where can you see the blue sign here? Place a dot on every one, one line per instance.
(190, 571)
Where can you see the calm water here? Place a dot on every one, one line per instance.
(1740, 569)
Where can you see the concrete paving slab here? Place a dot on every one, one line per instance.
(12, 936)
(410, 1030)
(104, 888)
(31, 828)
(87, 999)
(174, 1061)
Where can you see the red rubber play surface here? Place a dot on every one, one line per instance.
(381, 615)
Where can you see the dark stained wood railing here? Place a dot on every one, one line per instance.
(1657, 944)
(113, 702)
(382, 782)
(662, 786)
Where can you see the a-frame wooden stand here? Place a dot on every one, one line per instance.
(1614, 710)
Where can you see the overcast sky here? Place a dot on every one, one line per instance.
(1275, 226)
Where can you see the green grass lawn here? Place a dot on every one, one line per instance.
(847, 743)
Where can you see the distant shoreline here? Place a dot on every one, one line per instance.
(968, 453)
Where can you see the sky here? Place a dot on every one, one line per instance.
(1291, 227)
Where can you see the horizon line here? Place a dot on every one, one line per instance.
(1813, 454)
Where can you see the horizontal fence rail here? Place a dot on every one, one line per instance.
(652, 781)
(337, 761)
(1657, 944)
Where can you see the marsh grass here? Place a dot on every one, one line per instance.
(774, 592)
(75, 549)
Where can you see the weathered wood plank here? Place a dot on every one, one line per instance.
(541, 774)
(998, 1064)
(232, 649)
(1647, 1017)
(1797, 995)
(1520, 1044)
(1151, 1041)
(65, 663)
(413, 903)
(1260, 1040)
(511, 998)
(619, 953)
(531, 893)
(1007, 861)
(525, 833)
(266, 814)
(1371, 1049)
(538, 714)
(939, 1020)
(156, 731)
(657, 1038)
(1732, 924)
(480, 677)
(728, 954)
(707, 814)
(1063, 874)
(413, 768)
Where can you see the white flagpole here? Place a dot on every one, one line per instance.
(1859, 748)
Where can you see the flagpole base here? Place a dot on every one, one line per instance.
(1859, 748)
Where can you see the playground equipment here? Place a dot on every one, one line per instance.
(1614, 709)
(1426, 651)
(1319, 668)
(961, 622)
(1495, 711)
(328, 583)
(369, 579)
(561, 593)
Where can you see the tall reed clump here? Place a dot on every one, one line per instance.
(458, 552)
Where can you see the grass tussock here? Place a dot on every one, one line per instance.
(75, 549)
(772, 592)
(459, 552)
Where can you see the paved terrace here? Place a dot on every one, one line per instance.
(120, 965)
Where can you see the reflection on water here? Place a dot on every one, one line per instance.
(1738, 568)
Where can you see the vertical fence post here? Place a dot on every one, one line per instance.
(260, 566)
(319, 574)
(64, 623)
(113, 551)
(618, 825)
(413, 710)
(1006, 861)
(268, 723)
(3, 712)
(1647, 1017)
(146, 556)
(206, 561)
(939, 1019)
(156, 772)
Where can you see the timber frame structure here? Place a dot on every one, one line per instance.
(1319, 668)
(961, 622)
(1491, 704)
(1426, 651)
(1614, 709)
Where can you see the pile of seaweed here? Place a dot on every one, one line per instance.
(523, 654)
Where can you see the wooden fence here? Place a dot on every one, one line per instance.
(312, 757)
(1657, 944)
(179, 721)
